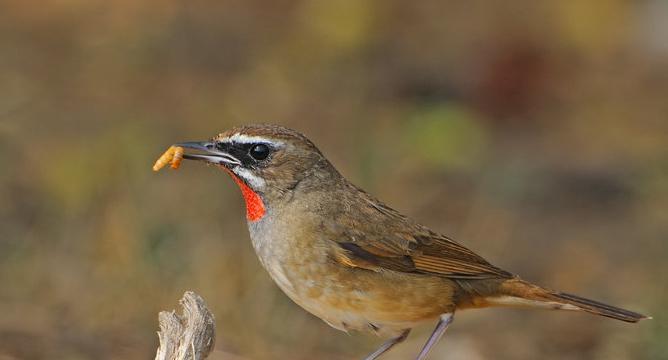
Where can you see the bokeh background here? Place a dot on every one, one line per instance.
(535, 133)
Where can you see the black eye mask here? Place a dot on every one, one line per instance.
(250, 155)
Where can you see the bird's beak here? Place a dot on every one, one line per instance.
(208, 152)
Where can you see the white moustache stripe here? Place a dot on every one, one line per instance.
(255, 182)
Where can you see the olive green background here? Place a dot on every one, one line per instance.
(535, 133)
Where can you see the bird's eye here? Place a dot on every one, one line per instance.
(259, 151)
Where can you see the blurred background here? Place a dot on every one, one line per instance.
(535, 133)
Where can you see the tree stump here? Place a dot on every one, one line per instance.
(190, 336)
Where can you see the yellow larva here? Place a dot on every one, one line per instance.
(172, 156)
(177, 157)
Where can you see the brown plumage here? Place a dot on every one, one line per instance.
(351, 260)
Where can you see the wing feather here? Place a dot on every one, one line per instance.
(387, 240)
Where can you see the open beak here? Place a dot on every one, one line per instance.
(207, 151)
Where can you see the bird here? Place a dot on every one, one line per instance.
(349, 259)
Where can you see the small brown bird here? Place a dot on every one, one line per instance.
(349, 259)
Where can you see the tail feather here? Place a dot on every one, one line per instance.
(595, 307)
(518, 292)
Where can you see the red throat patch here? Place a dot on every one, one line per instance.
(254, 206)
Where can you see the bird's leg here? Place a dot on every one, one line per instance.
(442, 325)
(388, 345)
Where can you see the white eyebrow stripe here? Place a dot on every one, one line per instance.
(246, 139)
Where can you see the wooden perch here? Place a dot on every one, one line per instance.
(190, 336)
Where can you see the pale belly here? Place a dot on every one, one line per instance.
(386, 309)
(352, 298)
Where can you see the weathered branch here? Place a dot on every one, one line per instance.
(190, 336)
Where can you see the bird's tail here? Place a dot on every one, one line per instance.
(516, 292)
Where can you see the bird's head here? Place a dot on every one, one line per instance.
(268, 162)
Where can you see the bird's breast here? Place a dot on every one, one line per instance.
(347, 298)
